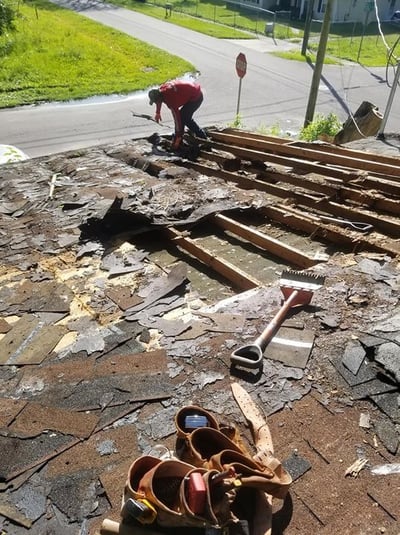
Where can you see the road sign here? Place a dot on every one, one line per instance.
(241, 68)
(241, 65)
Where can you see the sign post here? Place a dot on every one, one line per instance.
(241, 68)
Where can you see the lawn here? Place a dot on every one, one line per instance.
(58, 55)
(216, 18)
(371, 47)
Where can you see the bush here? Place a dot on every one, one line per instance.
(7, 16)
(321, 127)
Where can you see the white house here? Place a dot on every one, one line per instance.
(342, 10)
(357, 10)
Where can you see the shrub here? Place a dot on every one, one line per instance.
(237, 122)
(322, 127)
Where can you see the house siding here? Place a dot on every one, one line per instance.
(342, 10)
(357, 10)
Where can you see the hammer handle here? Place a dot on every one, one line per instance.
(110, 527)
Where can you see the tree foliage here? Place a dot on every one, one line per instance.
(7, 16)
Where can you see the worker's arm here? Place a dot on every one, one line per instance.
(176, 114)
(157, 116)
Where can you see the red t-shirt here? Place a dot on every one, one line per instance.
(176, 94)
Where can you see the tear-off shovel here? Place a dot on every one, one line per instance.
(297, 288)
(148, 118)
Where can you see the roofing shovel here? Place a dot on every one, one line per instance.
(297, 288)
(148, 118)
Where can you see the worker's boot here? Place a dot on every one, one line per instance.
(199, 139)
(176, 142)
(201, 134)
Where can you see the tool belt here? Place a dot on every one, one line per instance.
(210, 481)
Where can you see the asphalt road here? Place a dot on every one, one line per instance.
(274, 92)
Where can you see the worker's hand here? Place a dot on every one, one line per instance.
(176, 143)
(157, 117)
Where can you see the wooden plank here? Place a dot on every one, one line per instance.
(360, 155)
(257, 135)
(236, 276)
(361, 197)
(273, 246)
(308, 223)
(348, 159)
(299, 166)
(390, 227)
(333, 176)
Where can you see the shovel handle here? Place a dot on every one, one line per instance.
(249, 356)
(268, 333)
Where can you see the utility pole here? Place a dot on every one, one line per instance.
(381, 134)
(307, 26)
(312, 99)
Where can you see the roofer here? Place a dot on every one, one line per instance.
(183, 98)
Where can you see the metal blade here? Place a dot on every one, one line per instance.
(301, 280)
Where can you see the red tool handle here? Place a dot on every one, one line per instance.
(268, 333)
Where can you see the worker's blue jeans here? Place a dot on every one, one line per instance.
(187, 112)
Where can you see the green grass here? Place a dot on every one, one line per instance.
(188, 19)
(295, 55)
(369, 46)
(55, 54)
(349, 43)
(217, 18)
(370, 51)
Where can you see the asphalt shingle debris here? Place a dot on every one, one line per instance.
(105, 334)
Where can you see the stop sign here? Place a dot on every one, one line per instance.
(241, 65)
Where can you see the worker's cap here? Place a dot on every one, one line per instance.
(154, 96)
